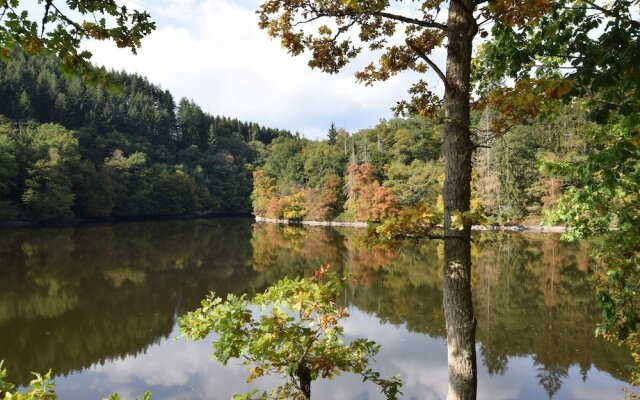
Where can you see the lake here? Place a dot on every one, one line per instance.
(98, 305)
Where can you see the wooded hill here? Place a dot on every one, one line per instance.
(398, 164)
(72, 149)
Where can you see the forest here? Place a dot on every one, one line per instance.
(71, 149)
(398, 164)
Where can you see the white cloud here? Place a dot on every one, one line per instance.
(179, 370)
(213, 52)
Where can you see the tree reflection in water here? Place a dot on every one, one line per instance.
(71, 298)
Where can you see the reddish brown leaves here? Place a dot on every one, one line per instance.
(369, 200)
(321, 28)
(526, 100)
(518, 12)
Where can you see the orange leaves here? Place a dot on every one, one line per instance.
(423, 102)
(367, 198)
(526, 100)
(558, 88)
(322, 205)
(94, 31)
(424, 40)
(275, 208)
(320, 274)
(396, 59)
(288, 207)
(328, 54)
(381, 202)
(281, 19)
(333, 43)
(519, 12)
(34, 45)
(254, 373)
(311, 204)
(360, 175)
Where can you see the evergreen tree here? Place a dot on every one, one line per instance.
(333, 134)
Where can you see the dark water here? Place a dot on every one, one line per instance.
(98, 306)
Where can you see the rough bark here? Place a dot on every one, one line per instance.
(457, 302)
(304, 379)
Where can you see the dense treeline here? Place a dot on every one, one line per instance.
(72, 149)
(398, 163)
(365, 176)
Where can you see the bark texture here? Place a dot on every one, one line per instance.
(457, 302)
(304, 379)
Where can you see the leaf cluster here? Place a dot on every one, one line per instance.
(291, 330)
(40, 388)
(341, 29)
(60, 34)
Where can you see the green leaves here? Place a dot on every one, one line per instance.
(58, 34)
(5, 387)
(40, 388)
(291, 330)
(589, 49)
(116, 396)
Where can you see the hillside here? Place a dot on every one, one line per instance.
(68, 149)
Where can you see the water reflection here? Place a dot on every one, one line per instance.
(98, 305)
(70, 298)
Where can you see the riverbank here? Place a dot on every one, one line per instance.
(17, 224)
(477, 228)
(356, 224)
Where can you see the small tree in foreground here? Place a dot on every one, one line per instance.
(292, 331)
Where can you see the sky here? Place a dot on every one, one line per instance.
(213, 52)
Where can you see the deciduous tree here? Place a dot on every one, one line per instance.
(591, 49)
(341, 29)
(291, 330)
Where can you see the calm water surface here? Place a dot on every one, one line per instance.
(98, 305)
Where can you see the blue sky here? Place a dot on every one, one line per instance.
(212, 51)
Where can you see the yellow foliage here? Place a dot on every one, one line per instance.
(294, 206)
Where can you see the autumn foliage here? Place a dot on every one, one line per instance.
(323, 204)
(310, 203)
(369, 200)
(264, 190)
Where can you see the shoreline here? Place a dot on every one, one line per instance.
(475, 228)
(356, 224)
(73, 222)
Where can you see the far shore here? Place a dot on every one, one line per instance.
(479, 228)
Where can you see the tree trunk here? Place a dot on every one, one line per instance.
(457, 302)
(304, 379)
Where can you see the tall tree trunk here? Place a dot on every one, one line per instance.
(304, 379)
(457, 302)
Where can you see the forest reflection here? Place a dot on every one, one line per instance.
(74, 297)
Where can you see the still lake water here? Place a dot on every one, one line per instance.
(98, 305)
